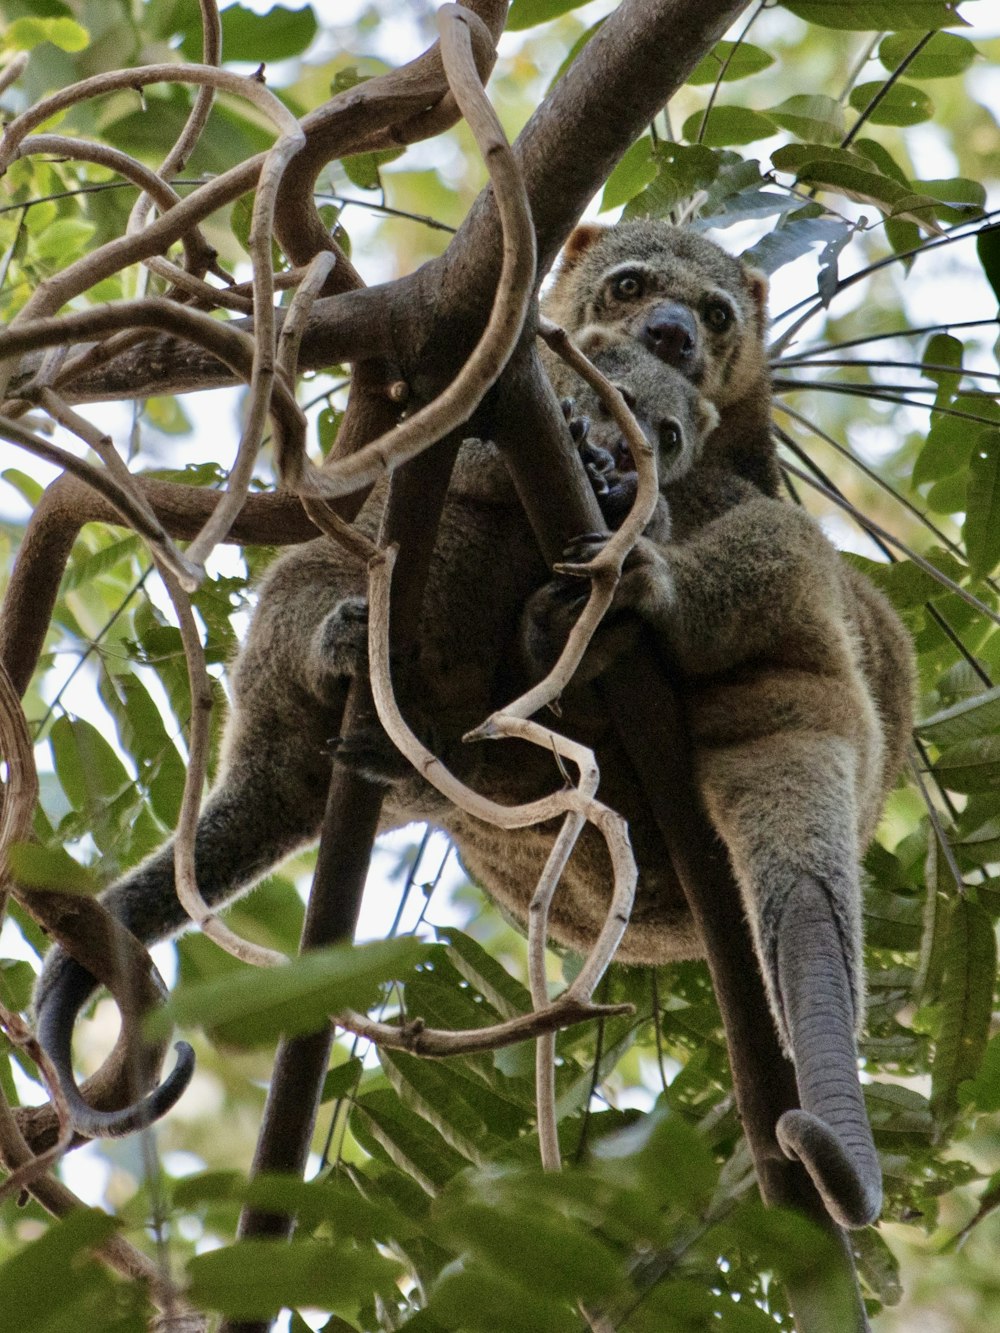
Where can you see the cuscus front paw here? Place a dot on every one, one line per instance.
(368, 751)
(618, 499)
(599, 462)
(554, 608)
(580, 550)
(339, 647)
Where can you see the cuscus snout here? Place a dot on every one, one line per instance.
(669, 330)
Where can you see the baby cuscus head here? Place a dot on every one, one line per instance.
(670, 411)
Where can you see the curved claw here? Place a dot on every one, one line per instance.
(58, 1006)
(848, 1179)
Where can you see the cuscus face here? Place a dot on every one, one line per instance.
(684, 299)
(670, 411)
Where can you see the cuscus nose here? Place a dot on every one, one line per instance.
(671, 333)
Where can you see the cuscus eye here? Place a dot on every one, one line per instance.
(627, 286)
(718, 316)
(671, 439)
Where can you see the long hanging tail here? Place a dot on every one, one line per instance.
(785, 809)
(830, 1135)
(251, 822)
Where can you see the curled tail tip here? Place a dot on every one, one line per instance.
(849, 1181)
(93, 1123)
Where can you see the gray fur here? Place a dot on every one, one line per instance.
(795, 674)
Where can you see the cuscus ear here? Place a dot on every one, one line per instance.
(593, 339)
(758, 286)
(580, 241)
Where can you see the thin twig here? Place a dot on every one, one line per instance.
(885, 89)
(870, 525)
(604, 570)
(185, 875)
(289, 452)
(458, 401)
(187, 574)
(579, 799)
(134, 511)
(191, 132)
(564, 1012)
(872, 475)
(725, 66)
(264, 347)
(785, 358)
(937, 826)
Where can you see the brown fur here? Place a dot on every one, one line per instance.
(796, 675)
(747, 595)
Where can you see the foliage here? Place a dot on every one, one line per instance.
(426, 1209)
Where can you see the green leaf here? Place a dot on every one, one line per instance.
(334, 1201)
(945, 54)
(682, 169)
(537, 1246)
(743, 57)
(978, 716)
(16, 980)
(902, 104)
(725, 125)
(85, 567)
(988, 250)
(971, 766)
(967, 1005)
(904, 237)
(49, 1277)
(255, 1278)
(892, 920)
(906, 584)
(795, 237)
(943, 350)
(960, 198)
(144, 736)
(328, 428)
(26, 33)
(28, 487)
(49, 868)
(362, 169)
(526, 13)
(947, 448)
(507, 996)
(89, 770)
(342, 1080)
(851, 174)
(873, 15)
(984, 1091)
(386, 1128)
(882, 158)
(65, 238)
(254, 1005)
(981, 530)
(440, 996)
(474, 1301)
(810, 116)
(278, 34)
(633, 173)
(458, 1107)
(635, 1155)
(894, 1109)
